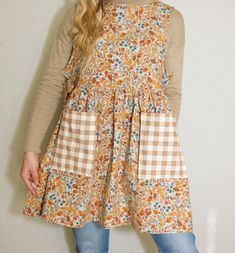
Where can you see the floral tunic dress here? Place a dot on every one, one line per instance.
(115, 155)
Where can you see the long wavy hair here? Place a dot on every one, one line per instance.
(87, 28)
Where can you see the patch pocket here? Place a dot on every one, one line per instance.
(160, 153)
(75, 143)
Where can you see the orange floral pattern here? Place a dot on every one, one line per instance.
(124, 76)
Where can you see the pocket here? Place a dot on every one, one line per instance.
(75, 143)
(160, 152)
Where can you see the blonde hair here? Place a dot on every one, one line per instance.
(87, 28)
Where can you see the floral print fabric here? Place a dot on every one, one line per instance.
(124, 76)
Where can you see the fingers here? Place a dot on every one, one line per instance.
(29, 181)
(35, 177)
(29, 171)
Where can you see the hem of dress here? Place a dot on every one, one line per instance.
(129, 222)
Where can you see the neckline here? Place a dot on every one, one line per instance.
(131, 4)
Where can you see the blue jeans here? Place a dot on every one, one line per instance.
(94, 239)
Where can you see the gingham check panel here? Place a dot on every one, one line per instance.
(75, 144)
(160, 153)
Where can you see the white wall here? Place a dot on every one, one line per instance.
(206, 125)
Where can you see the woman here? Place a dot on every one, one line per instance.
(114, 157)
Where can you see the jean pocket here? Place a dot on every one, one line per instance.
(160, 152)
(75, 143)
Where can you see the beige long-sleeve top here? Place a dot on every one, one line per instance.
(50, 88)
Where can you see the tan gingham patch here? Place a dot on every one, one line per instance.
(160, 153)
(75, 144)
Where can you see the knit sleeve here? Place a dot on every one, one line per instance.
(174, 60)
(50, 87)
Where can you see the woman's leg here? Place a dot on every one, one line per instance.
(184, 242)
(91, 238)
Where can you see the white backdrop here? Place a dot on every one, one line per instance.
(206, 125)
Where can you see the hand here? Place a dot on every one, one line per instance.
(29, 170)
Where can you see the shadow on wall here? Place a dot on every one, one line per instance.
(17, 145)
